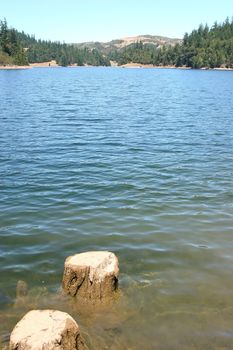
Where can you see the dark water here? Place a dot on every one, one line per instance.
(138, 162)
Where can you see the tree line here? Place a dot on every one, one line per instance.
(21, 49)
(64, 54)
(203, 47)
(11, 50)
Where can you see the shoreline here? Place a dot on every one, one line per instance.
(14, 67)
(53, 64)
(139, 65)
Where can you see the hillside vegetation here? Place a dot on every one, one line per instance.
(11, 50)
(21, 49)
(203, 47)
(64, 54)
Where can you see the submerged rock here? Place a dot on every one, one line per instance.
(92, 276)
(21, 289)
(46, 330)
(21, 299)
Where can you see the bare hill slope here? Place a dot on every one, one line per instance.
(118, 44)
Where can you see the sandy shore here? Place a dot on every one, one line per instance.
(219, 68)
(31, 65)
(14, 67)
(53, 64)
(44, 64)
(139, 65)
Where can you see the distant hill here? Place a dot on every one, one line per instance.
(118, 44)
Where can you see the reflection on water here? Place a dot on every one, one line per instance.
(138, 162)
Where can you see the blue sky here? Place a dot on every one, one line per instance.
(103, 20)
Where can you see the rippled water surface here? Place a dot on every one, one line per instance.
(138, 162)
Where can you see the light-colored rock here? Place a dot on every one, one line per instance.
(91, 275)
(46, 330)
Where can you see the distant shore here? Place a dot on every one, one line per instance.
(13, 67)
(31, 65)
(44, 64)
(53, 64)
(139, 65)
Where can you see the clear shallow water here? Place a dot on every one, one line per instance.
(134, 161)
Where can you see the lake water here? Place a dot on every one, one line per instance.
(138, 162)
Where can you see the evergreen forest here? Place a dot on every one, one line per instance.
(21, 49)
(208, 47)
(203, 47)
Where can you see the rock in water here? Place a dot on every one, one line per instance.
(21, 294)
(92, 276)
(21, 289)
(46, 330)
